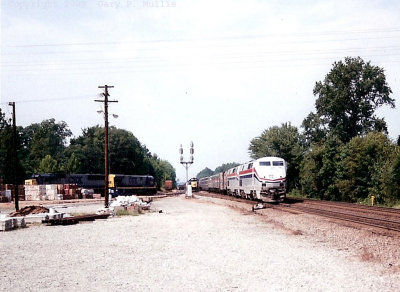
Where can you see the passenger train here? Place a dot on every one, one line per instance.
(262, 179)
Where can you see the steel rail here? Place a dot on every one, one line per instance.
(352, 209)
(385, 210)
(364, 220)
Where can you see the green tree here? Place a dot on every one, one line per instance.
(225, 167)
(310, 176)
(127, 155)
(285, 142)
(5, 149)
(315, 130)
(47, 165)
(206, 172)
(386, 178)
(395, 172)
(88, 149)
(8, 172)
(71, 165)
(347, 100)
(318, 170)
(163, 171)
(46, 138)
(363, 167)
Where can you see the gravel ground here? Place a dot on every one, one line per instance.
(198, 245)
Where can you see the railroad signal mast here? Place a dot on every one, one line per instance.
(187, 164)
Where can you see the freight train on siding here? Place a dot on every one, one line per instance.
(121, 184)
(262, 179)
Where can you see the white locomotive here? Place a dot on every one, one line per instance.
(263, 179)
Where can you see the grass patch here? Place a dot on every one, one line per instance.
(128, 213)
(296, 194)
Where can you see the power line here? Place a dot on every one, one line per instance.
(233, 55)
(197, 61)
(244, 53)
(51, 99)
(229, 45)
(302, 34)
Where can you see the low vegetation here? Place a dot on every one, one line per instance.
(128, 212)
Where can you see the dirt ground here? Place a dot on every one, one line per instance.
(199, 244)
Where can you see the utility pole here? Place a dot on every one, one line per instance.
(106, 170)
(14, 147)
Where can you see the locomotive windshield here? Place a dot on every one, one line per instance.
(274, 163)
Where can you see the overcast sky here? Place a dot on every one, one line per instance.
(213, 72)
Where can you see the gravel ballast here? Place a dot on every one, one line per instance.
(194, 244)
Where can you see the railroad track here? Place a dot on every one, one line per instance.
(378, 211)
(384, 218)
(387, 224)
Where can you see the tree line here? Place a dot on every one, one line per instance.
(208, 172)
(342, 151)
(48, 147)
